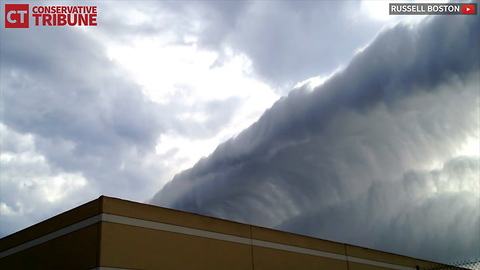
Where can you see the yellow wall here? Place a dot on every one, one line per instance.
(130, 235)
(75, 251)
(378, 256)
(132, 247)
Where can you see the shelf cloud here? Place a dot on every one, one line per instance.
(382, 154)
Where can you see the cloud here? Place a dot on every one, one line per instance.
(90, 129)
(434, 210)
(287, 41)
(76, 117)
(119, 108)
(84, 115)
(391, 123)
(30, 188)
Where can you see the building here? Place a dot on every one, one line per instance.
(114, 234)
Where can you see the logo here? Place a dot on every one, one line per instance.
(468, 9)
(16, 16)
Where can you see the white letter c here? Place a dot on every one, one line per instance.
(9, 16)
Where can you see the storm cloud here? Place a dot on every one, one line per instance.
(383, 154)
(287, 41)
(375, 156)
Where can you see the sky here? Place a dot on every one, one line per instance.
(325, 118)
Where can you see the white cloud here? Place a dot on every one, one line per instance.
(379, 10)
(28, 185)
(188, 77)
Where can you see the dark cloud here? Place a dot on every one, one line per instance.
(424, 207)
(85, 114)
(287, 41)
(400, 108)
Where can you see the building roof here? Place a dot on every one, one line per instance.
(120, 234)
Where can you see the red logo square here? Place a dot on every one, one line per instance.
(16, 16)
(468, 9)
